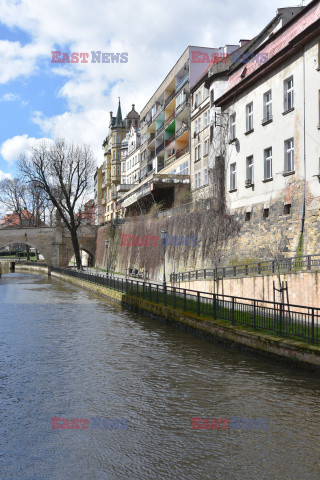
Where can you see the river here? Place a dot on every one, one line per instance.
(67, 353)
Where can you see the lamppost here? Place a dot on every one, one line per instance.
(163, 238)
(107, 245)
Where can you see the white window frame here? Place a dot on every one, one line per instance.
(249, 170)
(249, 117)
(233, 130)
(289, 155)
(268, 163)
(288, 94)
(267, 106)
(233, 176)
(205, 176)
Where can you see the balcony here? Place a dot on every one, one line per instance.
(167, 142)
(168, 100)
(182, 129)
(181, 107)
(182, 82)
(169, 120)
(124, 187)
(151, 156)
(151, 138)
(159, 148)
(160, 130)
(183, 151)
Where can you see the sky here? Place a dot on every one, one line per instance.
(44, 100)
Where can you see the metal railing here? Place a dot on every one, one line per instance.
(168, 100)
(290, 321)
(286, 265)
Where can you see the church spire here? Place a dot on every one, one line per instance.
(118, 122)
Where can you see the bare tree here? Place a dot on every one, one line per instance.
(13, 194)
(65, 173)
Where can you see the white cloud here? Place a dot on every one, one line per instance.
(9, 97)
(153, 34)
(13, 147)
(4, 175)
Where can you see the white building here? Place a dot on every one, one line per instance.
(266, 118)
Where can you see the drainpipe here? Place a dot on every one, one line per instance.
(304, 142)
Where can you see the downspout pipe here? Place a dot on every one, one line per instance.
(303, 216)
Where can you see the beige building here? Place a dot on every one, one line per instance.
(118, 129)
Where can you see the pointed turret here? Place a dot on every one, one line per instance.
(118, 122)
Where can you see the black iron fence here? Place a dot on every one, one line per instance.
(286, 265)
(289, 321)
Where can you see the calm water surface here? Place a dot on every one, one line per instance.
(68, 353)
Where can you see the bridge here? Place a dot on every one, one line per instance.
(54, 243)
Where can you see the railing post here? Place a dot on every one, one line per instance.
(131, 287)
(198, 302)
(121, 285)
(214, 306)
(137, 288)
(174, 297)
(150, 298)
(204, 273)
(259, 268)
(312, 326)
(272, 266)
(254, 315)
(234, 271)
(196, 274)
(309, 262)
(280, 320)
(189, 276)
(157, 293)
(165, 294)
(185, 299)
(232, 311)
(247, 270)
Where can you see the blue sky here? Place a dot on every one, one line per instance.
(39, 99)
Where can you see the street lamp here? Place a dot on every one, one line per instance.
(163, 238)
(107, 245)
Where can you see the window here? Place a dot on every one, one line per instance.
(114, 154)
(206, 93)
(205, 123)
(233, 126)
(197, 153)
(118, 169)
(249, 117)
(289, 155)
(196, 180)
(211, 98)
(247, 216)
(199, 179)
(206, 148)
(267, 106)
(249, 173)
(265, 212)
(288, 94)
(268, 163)
(287, 209)
(119, 138)
(233, 177)
(197, 99)
(205, 176)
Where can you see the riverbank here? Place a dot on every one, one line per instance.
(286, 350)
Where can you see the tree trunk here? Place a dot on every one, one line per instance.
(76, 249)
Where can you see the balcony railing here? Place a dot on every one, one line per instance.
(160, 148)
(168, 100)
(182, 129)
(169, 120)
(152, 136)
(182, 151)
(182, 82)
(151, 156)
(160, 129)
(167, 142)
(181, 107)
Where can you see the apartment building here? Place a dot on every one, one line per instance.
(266, 120)
(112, 145)
(165, 133)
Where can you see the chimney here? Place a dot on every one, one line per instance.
(133, 106)
(243, 42)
